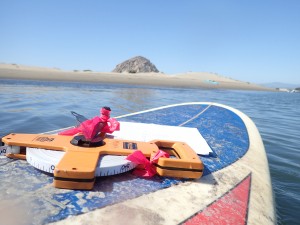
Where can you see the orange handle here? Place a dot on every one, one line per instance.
(187, 164)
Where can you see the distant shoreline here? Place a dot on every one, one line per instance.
(183, 80)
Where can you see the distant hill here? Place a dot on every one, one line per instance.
(137, 64)
(281, 85)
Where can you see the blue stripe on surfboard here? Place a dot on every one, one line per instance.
(172, 116)
(228, 139)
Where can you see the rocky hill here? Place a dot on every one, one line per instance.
(137, 64)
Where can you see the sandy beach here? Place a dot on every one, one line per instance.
(184, 80)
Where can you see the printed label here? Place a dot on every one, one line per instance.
(129, 145)
(44, 139)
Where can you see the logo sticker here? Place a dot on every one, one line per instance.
(44, 139)
(129, 145)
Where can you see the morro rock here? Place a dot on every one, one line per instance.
(137, 64)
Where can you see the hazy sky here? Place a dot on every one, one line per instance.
(256, 41)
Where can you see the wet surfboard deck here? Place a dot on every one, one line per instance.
(235, 187)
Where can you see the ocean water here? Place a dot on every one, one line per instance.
(33, 106)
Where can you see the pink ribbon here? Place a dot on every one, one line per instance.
(91, 127)
(148, 169)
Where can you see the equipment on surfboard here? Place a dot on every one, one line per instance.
(235, 187)
(76, 170)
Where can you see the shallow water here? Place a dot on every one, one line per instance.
(32, 106)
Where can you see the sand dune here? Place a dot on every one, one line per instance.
(184, 80)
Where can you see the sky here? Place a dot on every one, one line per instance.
(254, 41)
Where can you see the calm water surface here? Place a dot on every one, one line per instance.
(32, 106)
